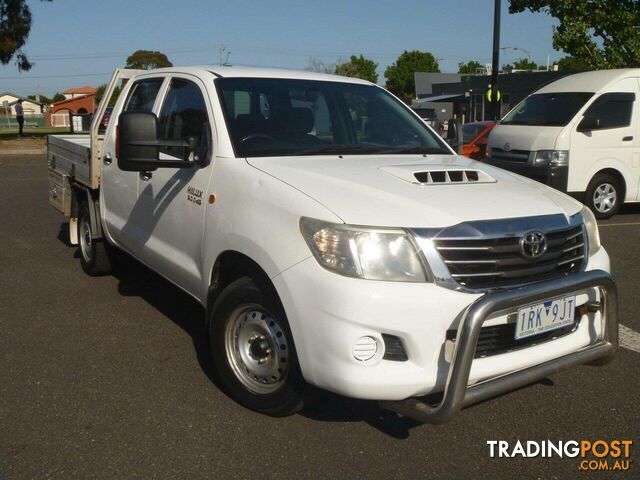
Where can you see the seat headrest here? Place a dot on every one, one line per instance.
(300, 120)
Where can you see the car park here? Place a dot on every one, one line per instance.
(335, 240)
(578, 134)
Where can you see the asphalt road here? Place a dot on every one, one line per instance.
(109, 378)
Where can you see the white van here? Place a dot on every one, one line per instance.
(579, 134)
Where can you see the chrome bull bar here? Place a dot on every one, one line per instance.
(458, 394)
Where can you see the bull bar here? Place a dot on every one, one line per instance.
(458, 394)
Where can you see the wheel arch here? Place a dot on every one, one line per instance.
(615, 173)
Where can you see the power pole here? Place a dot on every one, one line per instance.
(495, 63)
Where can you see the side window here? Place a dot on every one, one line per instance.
(613, 110)
(183, 116)
(143, 95)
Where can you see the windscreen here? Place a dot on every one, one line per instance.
(280, 117)
(471, 130)
(547, 109)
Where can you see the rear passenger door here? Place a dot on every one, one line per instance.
(120, 188)
(171, 201)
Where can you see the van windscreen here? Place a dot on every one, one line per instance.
(547, 109)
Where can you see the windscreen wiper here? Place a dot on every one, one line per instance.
(338, 148)
(417, 150)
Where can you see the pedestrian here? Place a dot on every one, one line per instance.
(20, 117)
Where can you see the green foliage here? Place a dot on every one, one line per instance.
(470, 67)
(58, 97)
(147, 59)
(15, 25)
(524, 64)
(43, 99)
(400, 75)
(597, 33)
(100, 93)
(358, 67)
(572, 64)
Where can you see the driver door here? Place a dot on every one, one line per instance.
(172, 201)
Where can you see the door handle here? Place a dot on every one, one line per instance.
(145, 176)
(107, 159)
(627, 138)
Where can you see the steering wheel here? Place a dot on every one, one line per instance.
(254, 136)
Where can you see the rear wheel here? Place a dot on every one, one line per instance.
(94, 254)
(253, 350)
(604, 195)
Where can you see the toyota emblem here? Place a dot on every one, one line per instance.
(507, 147)
(533, 244)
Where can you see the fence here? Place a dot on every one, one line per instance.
(29, 121)
(62, 119)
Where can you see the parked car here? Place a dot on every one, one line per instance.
(475, 136)
(579, 134)
(334, 239)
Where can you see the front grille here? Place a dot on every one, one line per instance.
(497, 262)
(521, 156)
(498, 339)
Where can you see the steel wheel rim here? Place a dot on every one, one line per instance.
(85, 240)
(605, 197)
(257, 349)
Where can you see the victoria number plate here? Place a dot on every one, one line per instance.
(543, 317)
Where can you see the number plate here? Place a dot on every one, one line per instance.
(543, 317)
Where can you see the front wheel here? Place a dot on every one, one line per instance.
(95, 257)
(253, 350)
(604, 195)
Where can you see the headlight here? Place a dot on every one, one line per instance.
(371, 253)
(591, 225)
(555, 158)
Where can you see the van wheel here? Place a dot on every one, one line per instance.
(253, 351)
(94, 254)
(604, 195)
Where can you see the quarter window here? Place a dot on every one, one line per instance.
(612, 110)
(143, 95)
(183, 116)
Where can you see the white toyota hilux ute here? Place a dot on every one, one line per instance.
(335, 240)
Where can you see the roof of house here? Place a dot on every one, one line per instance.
(70, 100)
(19, 97)
(86, 89)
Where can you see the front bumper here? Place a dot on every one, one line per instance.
(458, 393)
(328, 313)
(555, 177)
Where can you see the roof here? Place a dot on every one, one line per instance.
(260, 72)
(86, 89)
(595, 81)
(25, 99)
(71, 100)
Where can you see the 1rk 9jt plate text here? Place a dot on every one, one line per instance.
(546, 316)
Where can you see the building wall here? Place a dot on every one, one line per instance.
(86, 102)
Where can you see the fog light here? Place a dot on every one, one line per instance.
(365, 348)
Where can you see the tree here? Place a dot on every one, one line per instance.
(100, 93)
(15, 25)
(58, 97)
(43, 99)
(598, 33)
(470, 67)
(358, 67)
(317, 65)
(400, 75)
(572, 64)
(147, 59)
(524, 64)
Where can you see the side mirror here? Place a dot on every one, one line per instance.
(588, 123)
(135, 130)
(137, 145)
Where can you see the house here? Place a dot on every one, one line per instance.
(78, 92)
(30, 107)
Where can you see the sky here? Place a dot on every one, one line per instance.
(80, 42)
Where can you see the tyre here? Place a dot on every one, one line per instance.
(253, 351)
(95, 257)
(604, 195)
